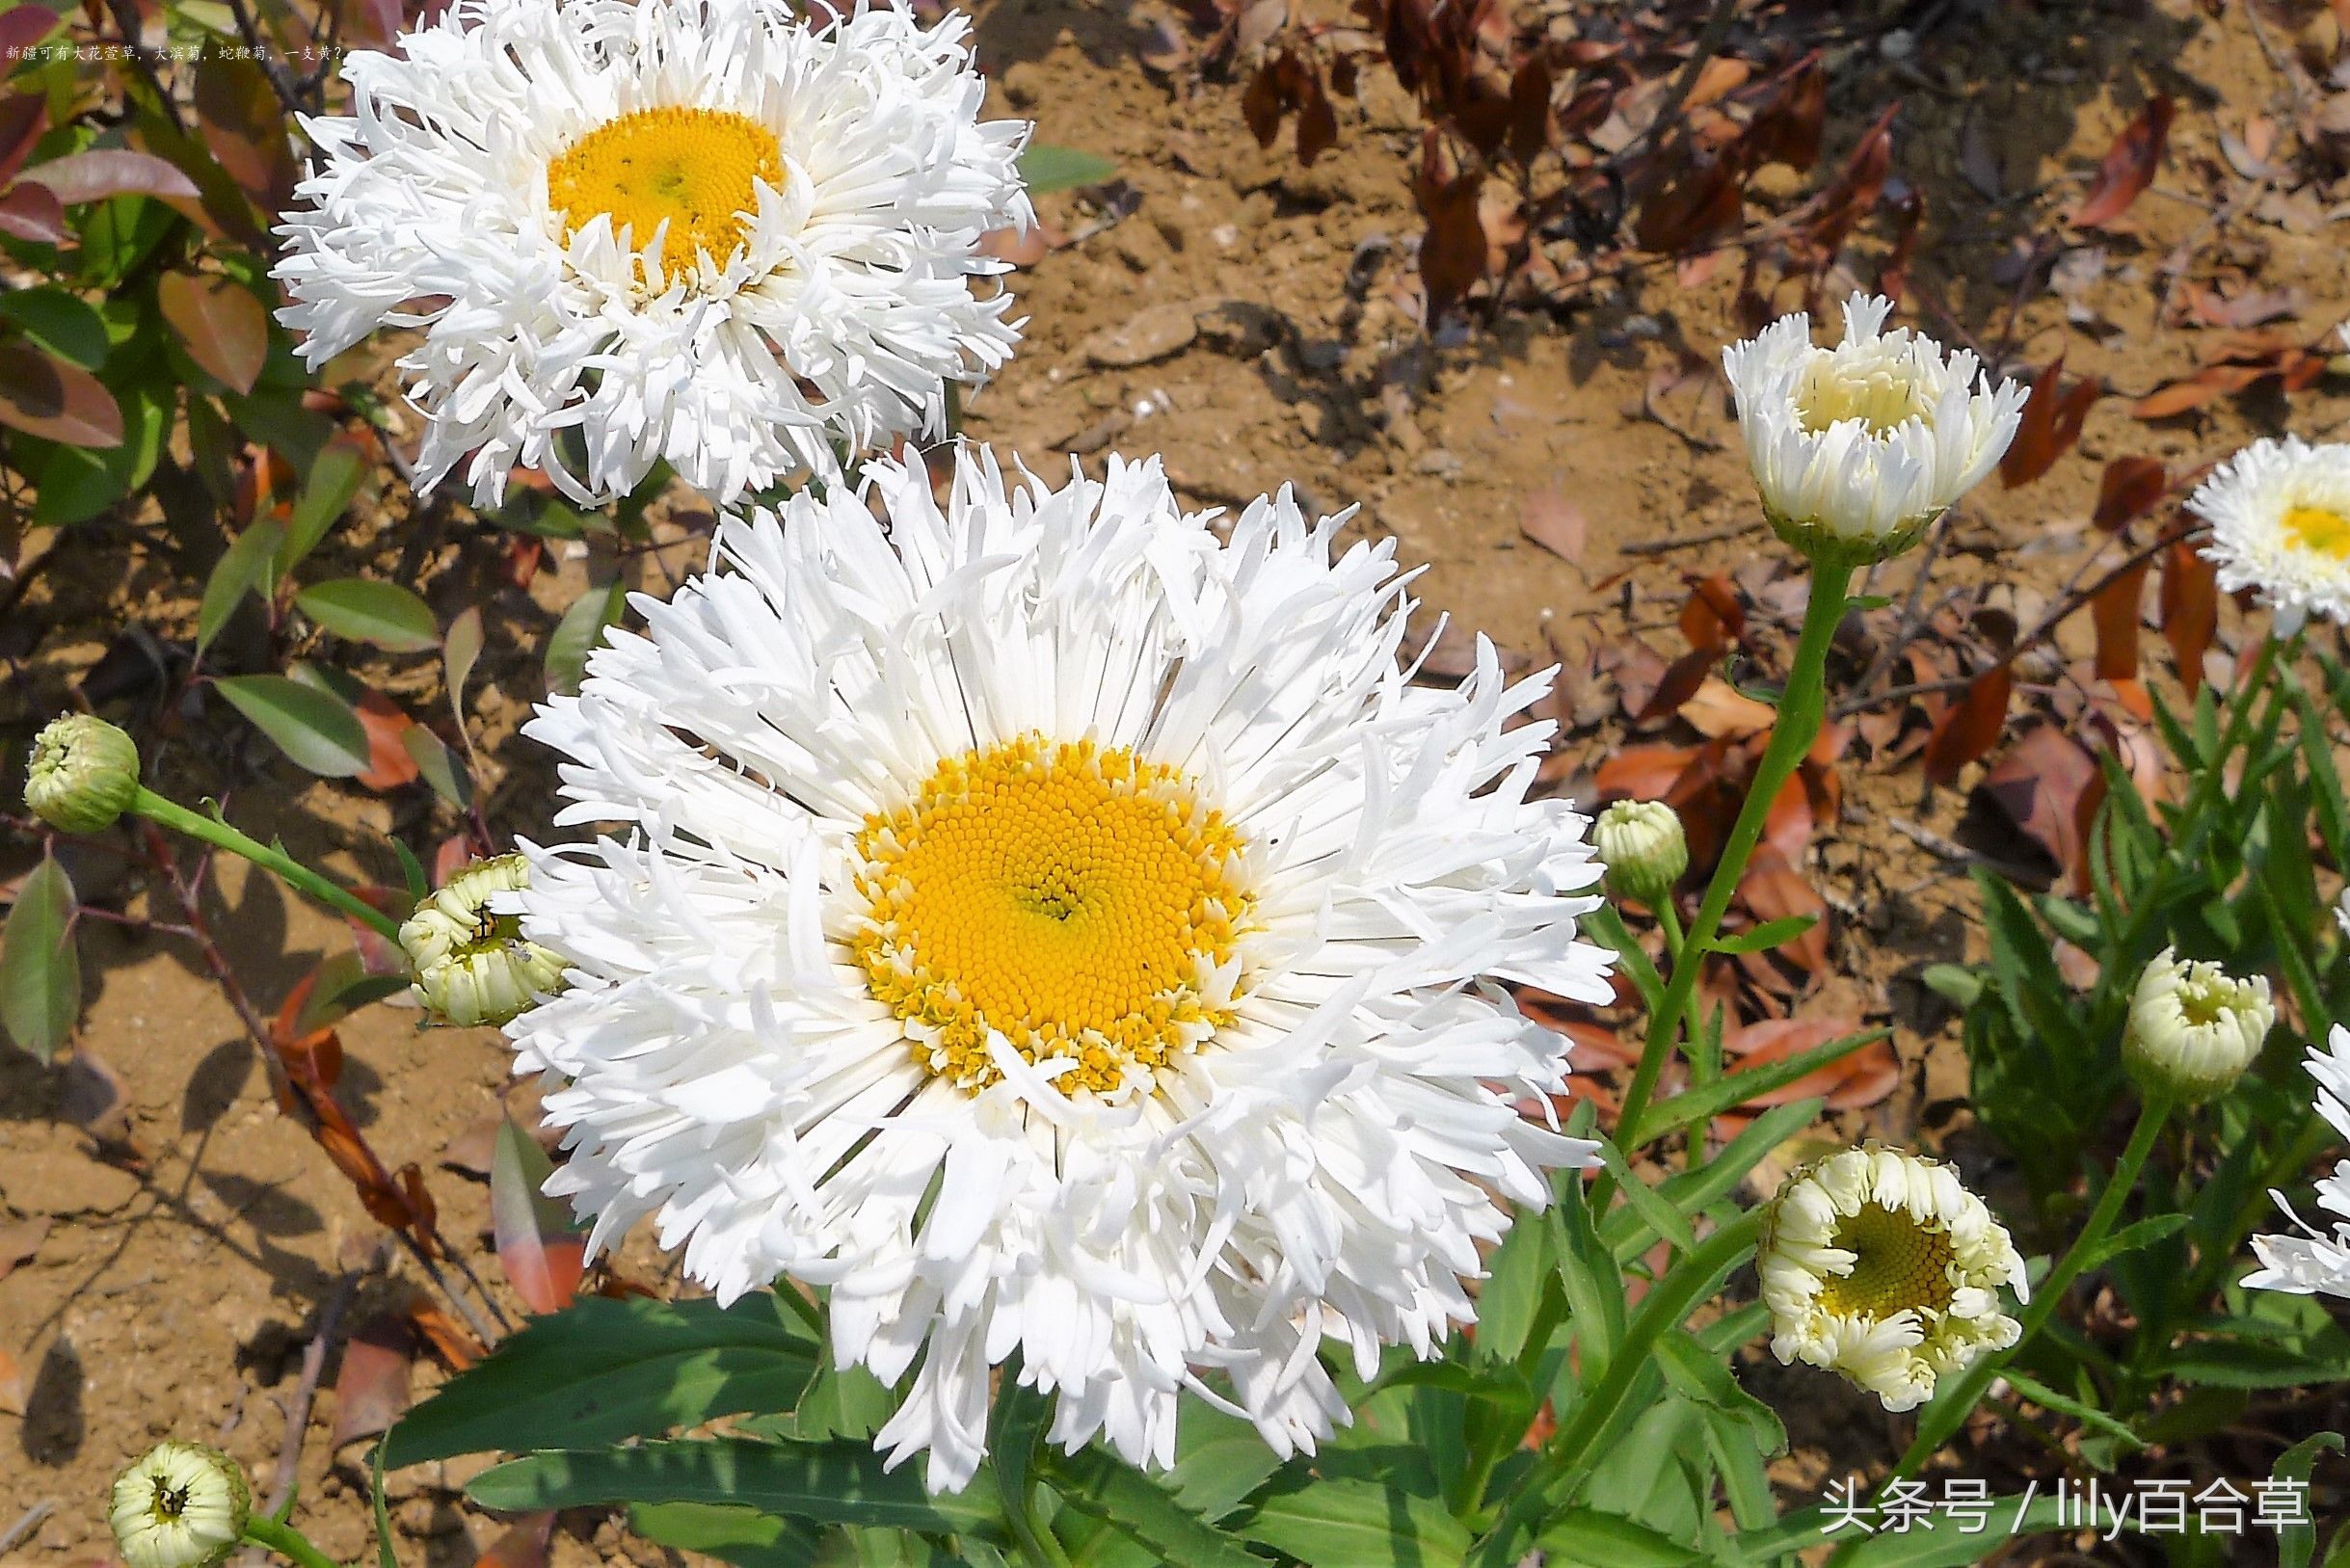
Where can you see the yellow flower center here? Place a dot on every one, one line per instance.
(1881, 398)
(1069, 896)
(694, 169)
(2319, 530)
(1897, 1265)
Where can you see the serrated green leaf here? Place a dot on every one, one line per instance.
(839, 1482)
(1044, 168)
(367, 611)
(1579, 1536)
(2297, 1542)
(1358, 1523)
(601, 1370)
(41, 969)
(742, 1536)
(1101, 1487)
(315, 728)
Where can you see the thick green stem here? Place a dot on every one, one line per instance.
(1943, 1416)
(1801, 708)
(285, 1541)
(220, 835)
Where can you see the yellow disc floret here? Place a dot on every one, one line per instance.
(693, 168)
(2319, 530)
(1898, 1264)
(1078, 900)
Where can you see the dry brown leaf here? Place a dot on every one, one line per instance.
(1719, 709)
(2115, 611)
(2189, 606)
(2037, 786)
(1971, 727)
(2129, 166)
(1553, 522)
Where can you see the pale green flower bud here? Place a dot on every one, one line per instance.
(2193, 1030)
(472, 964)
(84, 774)
(1641, 844)
(182, 1505)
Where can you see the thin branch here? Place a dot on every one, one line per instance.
(287, 89)
(314, 1363)
(1681, 541)
(1709, 43)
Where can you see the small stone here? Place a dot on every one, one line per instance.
(1152, 334)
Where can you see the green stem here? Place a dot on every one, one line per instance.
(1665, 1307)
(1943, 1416)
(1801, 705)
(1669, 919)
(285, 1541)
(220, 835)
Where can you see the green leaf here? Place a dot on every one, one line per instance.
(743, 1536)
(1693, 1106)
(2064, 1404)
(1512, 1295)
(1660, 1216)
(40, 970)
(1706, 1379)
(458, 652)
(1605, 923)
(438, 766)
(1357, 1522)
(315, 728)
(601, 1370)
(367, 611)
(1586, 1535)
(579, 633)
(1694, 1191)
(223, 325)
(1101, 1487)
(1044, 168)
(385, 1556)
(59, 321)
(334, 478)
(1955, 983)
(1941, 1542)
(244, 568)
(839, 1482)
(2131, 1237)
(1768, 935)
(2297, 1543)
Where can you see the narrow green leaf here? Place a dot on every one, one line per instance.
(840, 1482)
(1694, 1191)
(1586, 1535)
(1693, 1106)
(603, 1371)
(41, 969)
(2064, 1404)
(1101, 1487)
(579, 634)
(1766, 935)
(1660, 1216)
(244, 568)
(2131, 1237)
(1044, 168)
(367, 611)
(2297, 1543)
(1605, 923)
(315, 728)
(742, 1536)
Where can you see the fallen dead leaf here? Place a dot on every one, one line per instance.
(1719, 709)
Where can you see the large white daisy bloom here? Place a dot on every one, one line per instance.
(2316, 1260)
(1857, 448)
(2280, 515)
(2194, 1028)
(1059, 931)
(1877, 1265)
(699, 230)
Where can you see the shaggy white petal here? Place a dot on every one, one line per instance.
(1859, 447)
(1323, 1166)
(2193, 1028)
(1879, 1266)
(2280, 515)
(2316, 1260)
(835, 324)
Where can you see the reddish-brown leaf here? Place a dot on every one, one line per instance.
(44, 395)
(2037, 786)
(2129, 166)
(390, 763)
(1971, 727)
(1787, 130)
(99, 173)
(1453, 250)
(523, 1545)
(1860, 1078)
(1317, 120)
(1712, 615)
(456, 1348)
(33, 212)
(22, 117)
(1697, 201)
(1642, 772)
(2051, 423)
(1773, 889)
(244, 128)
(1720, 710)
(1530, 110)
(1787, 829)
(11, 1385)
(23, 26)
(544, 1258)
(2129, 490)
(223, 327)
(2115, 611)
(371, 1392)
(2189, 605)
(1682, 678)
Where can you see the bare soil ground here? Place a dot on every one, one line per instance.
(1254, 322)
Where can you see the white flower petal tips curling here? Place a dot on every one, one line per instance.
(1877, 1265)
(1058, 931)
(465, 945)
(704, 231)
(2193, 1028)
(2279, 516)
(180, 1506)
(1856, 449)
(2315, 1260)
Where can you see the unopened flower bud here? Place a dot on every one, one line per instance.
(2193, 1030)
(84, 774)
(182, 1505)
(1641, 844)
(472, 964)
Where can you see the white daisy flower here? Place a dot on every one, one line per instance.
(1857, 448)
(464, 945)
(699, 230)
(1062, 931)
(1877, 1265)
(2194, 1028)
(2316, 1260)
(2280, 515)
(181, 1505)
